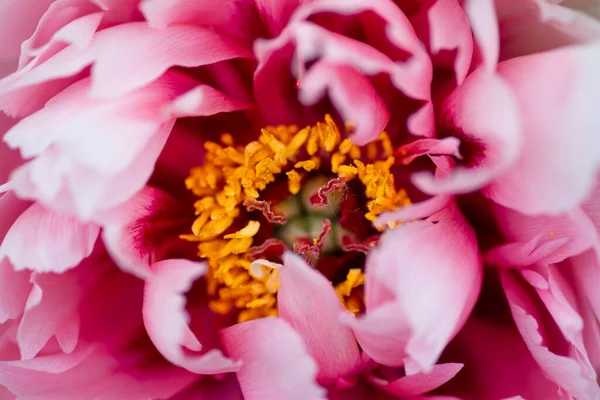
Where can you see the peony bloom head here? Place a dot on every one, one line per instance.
(299, 199)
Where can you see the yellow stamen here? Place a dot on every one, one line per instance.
(247, 232)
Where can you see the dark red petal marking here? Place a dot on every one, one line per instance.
(320, 199)
(270, 245)
(312, 250)
(265, 208)
(350, 244)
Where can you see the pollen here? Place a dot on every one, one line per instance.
(234, 175)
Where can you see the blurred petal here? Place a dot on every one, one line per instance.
(419, 383)
(61, 241)
(555, 171)
(276, 363)
(14, 290)
(572, 375)
(484, 24)
(51, 310)
(18, 19)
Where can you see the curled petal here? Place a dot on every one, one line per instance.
(484, 115)
(419, 383)
(409, 303)
(166, 319)
(352, 94)
(134, 231)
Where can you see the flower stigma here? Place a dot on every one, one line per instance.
(311, 190)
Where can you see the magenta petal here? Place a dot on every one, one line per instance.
(555, 171)
(61, 240)
(126, 229)
(276, 363)
(166, 319)
(14, 290)
(309, 303)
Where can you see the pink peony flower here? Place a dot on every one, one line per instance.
(296, 199)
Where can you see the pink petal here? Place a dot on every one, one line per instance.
(565, 371)
(166, 320)
(10, 158)
(483, 114)
(116, 53)
(555, 171)
(14, 290)
(61, 241)
(419, 383)
(352, 94)
(18, 20)
(412, 78)
(51, 310)
(11, 207)
(67, 161)
(445, 28)
(420, 210)
(419, 322)
(433, 147)
(90, 372)
(72, 27)
(276, 363)
(484, 24)
(522, 254)
(573, 229)
(161, 14)
(202, 101)
(133, 55)
(129, 230)
(586, 272)
(541, 26)
(309, 303)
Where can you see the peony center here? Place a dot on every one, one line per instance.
(309, 190)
